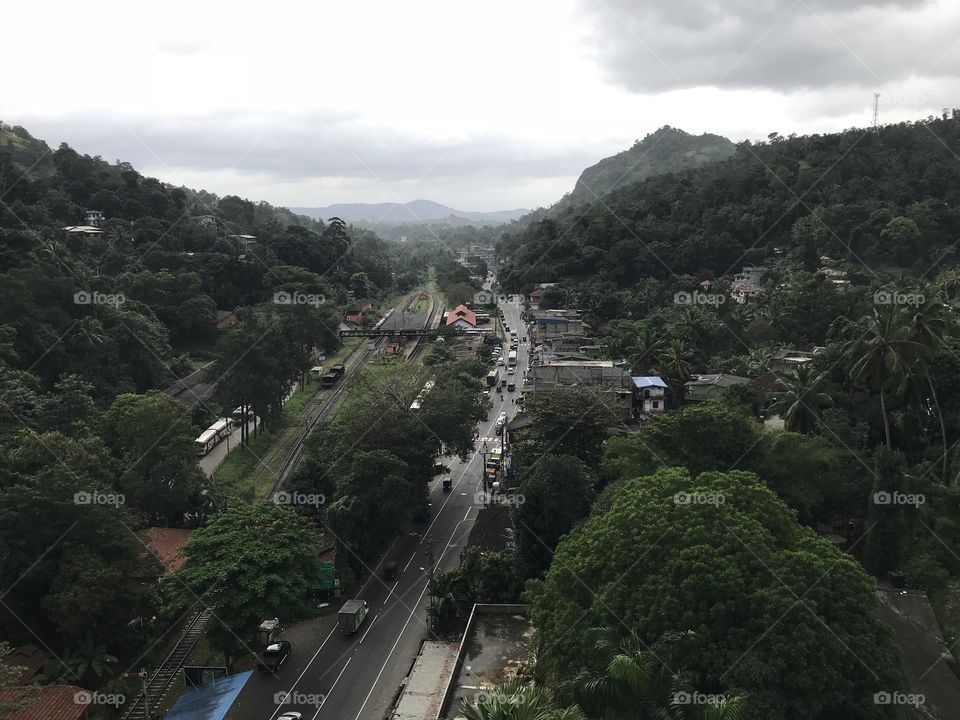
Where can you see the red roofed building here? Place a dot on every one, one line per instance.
(30, 658)
(165, 544)
(462, 316)
(51, 702)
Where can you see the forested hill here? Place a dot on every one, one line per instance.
(666, 150)
(881, 200)
(170, 253)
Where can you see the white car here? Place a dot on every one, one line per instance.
(510, 371)
(500, 362)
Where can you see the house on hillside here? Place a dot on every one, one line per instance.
(207, 221)
(83, 232)
(786, 360)
(747, 284)
(357, 309)
(649, 395)
(462, 317)
(224, 319)
(701, 388)
(95, 218)
(245, 244)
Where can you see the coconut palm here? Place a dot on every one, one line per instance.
(518, 701)
(802, 400)
(885, 352)
(928, 324)
(675, 368)
(643, 353)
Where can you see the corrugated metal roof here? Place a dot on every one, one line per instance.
(210, 701)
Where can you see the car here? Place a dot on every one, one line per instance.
(510, 371)
(500, 362)
(275, 655)
(293, 715)
(390, 570)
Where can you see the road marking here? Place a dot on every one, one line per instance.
(435, 517)
(467, 513)
(410, 560)
(290, 691)
(390, 594)
(322, 702)
(369, 628)
(392, 649)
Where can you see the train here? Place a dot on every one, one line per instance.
(332, 377)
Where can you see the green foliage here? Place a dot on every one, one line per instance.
(251, 562)
(568, 421)
(518, 701)
(733, 570)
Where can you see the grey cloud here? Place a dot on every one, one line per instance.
(299, 147)
(777, 44)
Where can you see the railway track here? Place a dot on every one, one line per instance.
(325, 404)
(159, 683)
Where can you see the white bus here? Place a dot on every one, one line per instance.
(212, 435)
(512, 358)
(208, 438)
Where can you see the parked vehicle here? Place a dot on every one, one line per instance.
(274, 656)
(500, 362)
(390, 570)
(352, 615)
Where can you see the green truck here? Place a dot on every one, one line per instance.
(351, 616)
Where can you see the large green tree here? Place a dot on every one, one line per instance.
(779, 614)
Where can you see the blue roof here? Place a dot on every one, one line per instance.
(210, 701)
(648, 381)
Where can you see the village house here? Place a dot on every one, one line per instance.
(701, 388)
(225, 319)
(747, 284)
(650, 395)
(355, 312)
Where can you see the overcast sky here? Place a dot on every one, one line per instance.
(480, 105)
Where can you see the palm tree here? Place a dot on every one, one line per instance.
(885, 353)
(643, 353)
(518, 701)
(802, 400)
(675, 367)
(928, 324)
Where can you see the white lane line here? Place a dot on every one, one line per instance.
(390, 594)
(392, 649)
(410, 561)
(369, 628)
(467, 514)
(320, 706)
(290, 691)
(440, 511)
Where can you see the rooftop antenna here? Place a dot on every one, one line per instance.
(876, 109)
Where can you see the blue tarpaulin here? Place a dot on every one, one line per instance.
(210, 701)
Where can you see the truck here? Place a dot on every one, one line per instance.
(331, 378)
(352, 615)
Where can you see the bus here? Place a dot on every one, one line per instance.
(492, 378)
(212, 435)
(512, 359)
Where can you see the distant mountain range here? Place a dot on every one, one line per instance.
(412, 212)
(666, 150)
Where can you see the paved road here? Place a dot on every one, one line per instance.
(356, 677)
